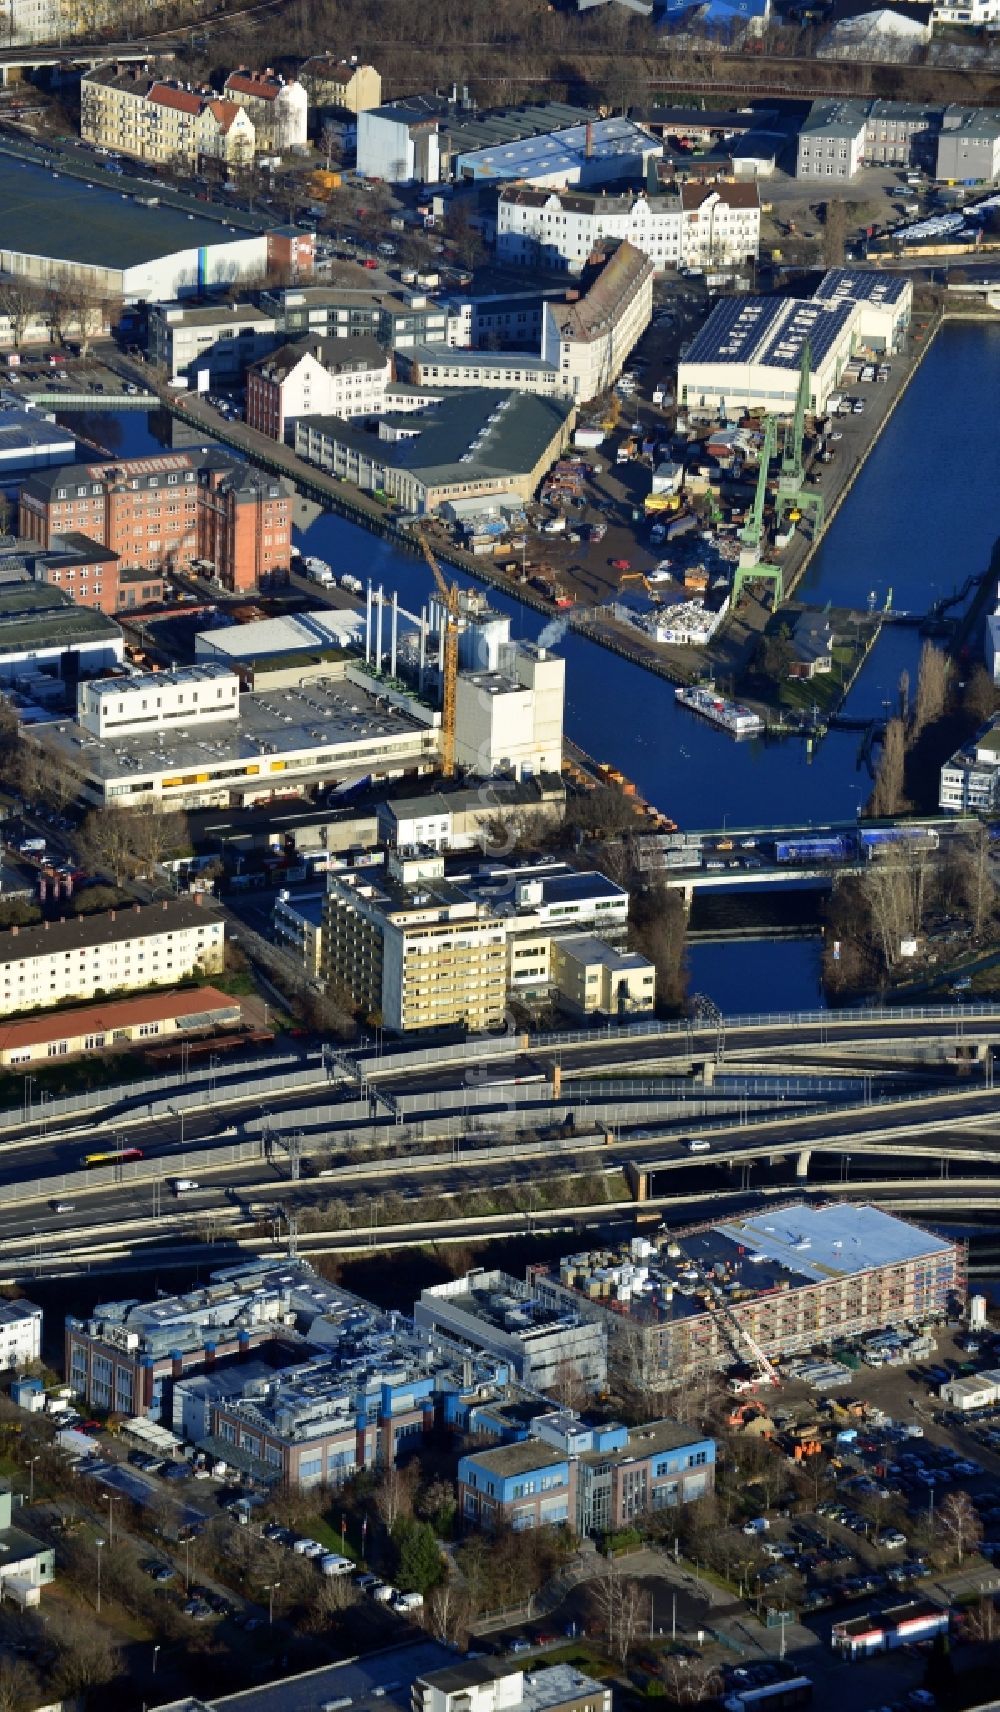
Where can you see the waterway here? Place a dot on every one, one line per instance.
(923, 515)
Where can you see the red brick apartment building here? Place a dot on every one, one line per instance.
(160, 513)
(94, 576)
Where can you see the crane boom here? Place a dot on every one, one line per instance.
(791, 463)
(753, 529)
(449, 602)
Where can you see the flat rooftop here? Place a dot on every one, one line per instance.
(290, 633)
(867, 285)
(28, 431)
(819, 1243)
(75, 220)
(380, 1680)
(562, 151)
(778, 1249)
(36, 616)
(322, 717)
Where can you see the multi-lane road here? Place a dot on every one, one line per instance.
(891, 1090)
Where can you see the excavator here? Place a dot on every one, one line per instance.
(637, 577)
(450, 602)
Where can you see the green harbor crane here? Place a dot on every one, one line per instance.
(793, 494)
(751, 568)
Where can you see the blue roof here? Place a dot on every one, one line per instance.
(807, 321)
(734, 330)
(768, 330)
(861, 284)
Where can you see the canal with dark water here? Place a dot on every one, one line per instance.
(923, 515)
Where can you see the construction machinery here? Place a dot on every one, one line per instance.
(751, 567)
(450, 608)
(637, 577)
(793, 493)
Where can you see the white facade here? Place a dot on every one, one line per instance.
(396, 145)
(721, 225)
(180, 273)
(589, 346)
(310, 388)
(156, 701)
(118, 952)
(20, 1334)
(970, 780)
(972, 12)
(512, 723)
(31, 21)
(747, 354)
(224, 340)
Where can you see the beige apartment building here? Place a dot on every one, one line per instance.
(410, 947)
(279, 110)
(117, 951)
(129, 111)
(341, 86)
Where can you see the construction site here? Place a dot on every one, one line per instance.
(745, 1295)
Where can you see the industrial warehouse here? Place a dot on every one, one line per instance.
(754, 1290)
(128, 246)
(748, 353)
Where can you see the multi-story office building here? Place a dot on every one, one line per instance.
(831, 140)
(970, 779)
(20, 1333)
(211, 749)
(493, 1312)
(279, 111)
(595, 1479)
(127, 109)
(968, 146)
(161, 513)
(413, 948)
(585, 342)
(316, 377)
(704, 225)
(115, 951)
(900, 133)
(395, 319)
(340, 86)
(222, 339)
(279, 1373)
(790, 1278)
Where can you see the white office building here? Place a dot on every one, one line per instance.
(20, 1334)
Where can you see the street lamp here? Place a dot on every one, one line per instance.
(270, 1601)
(31, 1476)
(156, 1650)
(98, 1543)
(30, 1083)
(111, 1500)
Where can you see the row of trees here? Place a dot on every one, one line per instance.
(68, 305)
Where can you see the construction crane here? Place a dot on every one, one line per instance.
(793, 494)
(750, 567)
(792, 467)
(737, 1333)
(449, 601)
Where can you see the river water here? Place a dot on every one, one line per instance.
(923, 516)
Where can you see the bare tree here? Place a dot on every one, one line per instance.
(20, 301)
(834, 233)
(932, 687)
(689, 1681)
(623, 1609)
(19, 1686)
(330, 142)
(887, 796)
(895, 891)
(972, 877)
(395, 1493)
(958, 1526)
(448, 1612)
(981, 699)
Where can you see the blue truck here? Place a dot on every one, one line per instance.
(875, 841)
(811, 849)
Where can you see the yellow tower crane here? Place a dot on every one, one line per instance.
(449, 600)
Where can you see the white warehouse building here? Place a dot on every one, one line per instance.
(747, 355)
